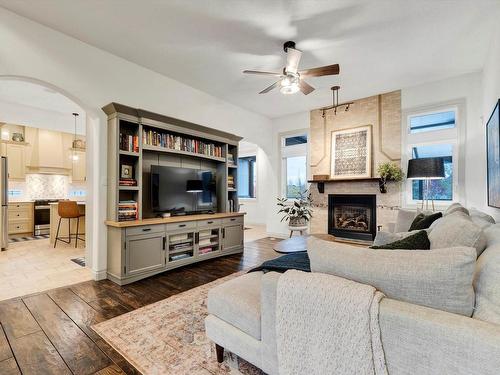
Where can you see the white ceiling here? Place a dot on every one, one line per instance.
(380, 45)
(30, 104)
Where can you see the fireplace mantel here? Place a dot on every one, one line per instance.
(321, 183)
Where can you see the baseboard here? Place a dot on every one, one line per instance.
(99, 275)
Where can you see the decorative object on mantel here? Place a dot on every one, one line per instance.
(297, 213)
(426, 169)
(388, 172)
(335, 102)
(493, 157)
(351, 153)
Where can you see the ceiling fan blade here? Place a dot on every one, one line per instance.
(292, 60)
(305, 87)
(262, 73)
(269, 88)
(327, 70)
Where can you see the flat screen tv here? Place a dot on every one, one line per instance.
(169, 193)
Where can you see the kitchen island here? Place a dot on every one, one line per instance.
(63, 231)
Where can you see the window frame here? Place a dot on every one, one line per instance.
(255, 167)
(292, 151)
(453, 136)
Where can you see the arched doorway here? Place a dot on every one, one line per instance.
(29, 101)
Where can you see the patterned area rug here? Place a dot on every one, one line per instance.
(168, 337)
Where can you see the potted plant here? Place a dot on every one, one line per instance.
(297, 212)
(388, 172)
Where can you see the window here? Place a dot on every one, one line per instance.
(439, 190)
(294, 164)
(246, 177)
(433, 134)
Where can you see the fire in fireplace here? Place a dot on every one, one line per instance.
(352, 216)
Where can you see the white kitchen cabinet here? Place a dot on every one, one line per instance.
(78, 171)
(16, 161)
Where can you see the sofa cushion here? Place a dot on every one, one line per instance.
(441, 279)
(416, 241)
(455, 207)
(480, 218)
(423, 221)
(404, 220)
(487, 278)
(457, 229)
(237, 302)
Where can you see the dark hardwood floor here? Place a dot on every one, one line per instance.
(49, 332)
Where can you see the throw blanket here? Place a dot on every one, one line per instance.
(327, 325)
(295, 261)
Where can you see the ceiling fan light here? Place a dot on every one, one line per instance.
(286, 82)
(290, 89)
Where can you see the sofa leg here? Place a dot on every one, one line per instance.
(219, 350)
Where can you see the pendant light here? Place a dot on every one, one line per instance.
(74, 155)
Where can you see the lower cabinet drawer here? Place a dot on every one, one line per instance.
(182, 225)
(145, 229)
(20, 227)
(20, 214)
(209, 223)
(233, 220)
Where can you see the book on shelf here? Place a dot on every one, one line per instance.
(129, 142)
(127, 210)
(205, 242)
(179, 143)
(230, 182)
(179, 237)
(205, 232)
(180, 256)
(128, 182)
(205, 250)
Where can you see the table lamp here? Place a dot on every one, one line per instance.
(426, 169)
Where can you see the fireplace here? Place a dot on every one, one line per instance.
(352, 216)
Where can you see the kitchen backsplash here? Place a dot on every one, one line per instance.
(45, 186)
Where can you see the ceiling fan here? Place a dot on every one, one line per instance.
(291, 79)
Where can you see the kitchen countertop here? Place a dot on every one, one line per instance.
(80, 203)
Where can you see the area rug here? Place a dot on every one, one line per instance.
(168, 337)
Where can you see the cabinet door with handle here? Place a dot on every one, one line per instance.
(232, 237)
(16, 164)
(144, 253)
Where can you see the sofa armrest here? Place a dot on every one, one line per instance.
(268, 322)
(421, 340)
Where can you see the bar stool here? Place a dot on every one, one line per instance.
(68, 210)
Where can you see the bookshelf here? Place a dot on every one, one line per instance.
(138, 138)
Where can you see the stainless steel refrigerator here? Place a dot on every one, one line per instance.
(4, 237)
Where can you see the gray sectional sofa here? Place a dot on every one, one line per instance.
(444, 319)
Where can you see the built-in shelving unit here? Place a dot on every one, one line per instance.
(133, 133)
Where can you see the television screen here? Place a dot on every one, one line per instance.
(169, 190)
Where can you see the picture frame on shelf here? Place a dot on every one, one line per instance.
(351, 153)
(126, 171)
(493, 157)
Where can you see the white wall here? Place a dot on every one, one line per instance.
(93, 78)
(289, 123)
(490, 94)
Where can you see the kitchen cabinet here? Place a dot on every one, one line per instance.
(78, 170)
(232, 237)
(20, 217)
(50, 149)
(16, 161)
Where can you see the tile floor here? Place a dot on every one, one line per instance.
(34, 266)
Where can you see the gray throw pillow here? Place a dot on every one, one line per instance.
(383, 238)
(417, 241)
(457, 229)
(481, 218)
(455, 207)
(404, 220)
(441, 279)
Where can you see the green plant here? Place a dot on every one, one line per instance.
(299, 208)
(390, 172)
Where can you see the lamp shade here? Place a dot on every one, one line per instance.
(426, 169)
(194, 186)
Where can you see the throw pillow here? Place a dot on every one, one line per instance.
(383, 238)
(457, 230)
(423, 221)
(456, 207)
(404, 220)
(417, 241)
(441, 279)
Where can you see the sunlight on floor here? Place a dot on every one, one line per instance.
(34, 266)
(254, 232)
